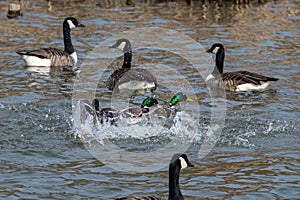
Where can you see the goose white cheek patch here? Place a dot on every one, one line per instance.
(216, 50)
(183, 163)
(122, 46)
(71, 25)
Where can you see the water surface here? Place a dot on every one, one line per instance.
(257, 155)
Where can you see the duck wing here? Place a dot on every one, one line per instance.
(160, 112)
(132, 112)
(108, 115)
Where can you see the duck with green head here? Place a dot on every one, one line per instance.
(168, 111)
(101, 116)
(111, 116)
(134, 115)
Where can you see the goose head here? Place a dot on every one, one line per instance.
(184, 161)
(72, 22)
(178, 162)
(123, 45)
(215, 48)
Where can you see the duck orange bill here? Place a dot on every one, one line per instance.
(159, 106)
(189, 99)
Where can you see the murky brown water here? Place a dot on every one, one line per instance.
(257, 155)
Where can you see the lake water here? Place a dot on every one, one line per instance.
(256, 156)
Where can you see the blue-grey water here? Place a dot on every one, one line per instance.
(255, 157)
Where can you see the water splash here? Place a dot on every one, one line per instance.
(246, 134)
(149, 130)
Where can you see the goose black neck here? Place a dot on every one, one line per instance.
(174, 190)
(67, 38)
(127, 59)
(219, 62)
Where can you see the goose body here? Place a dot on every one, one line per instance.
(139, 198)
(52, 56)
(234, 81)
(176, 165)
(127, 78)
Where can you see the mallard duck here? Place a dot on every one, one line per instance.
(55, 57)
(103, 116)
(111, 116)
(127, 78)
(176, 165)
(167, 111)
(134, 115)
(178, 98)
(234, 81)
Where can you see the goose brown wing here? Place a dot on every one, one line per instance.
(46, 53)
(58, 57)
(125, 75)
(138, 74)
(115, 77)
(243, 77)
(230, 80)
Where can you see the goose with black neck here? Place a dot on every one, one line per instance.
(234, 81)
(178, 162)
(127, 78)
(52, 56)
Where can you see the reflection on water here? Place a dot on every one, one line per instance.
(255, 157)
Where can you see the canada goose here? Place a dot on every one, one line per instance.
(100, 117)
(55, 57)
(234, 81)
(176, 164)
(128, 78)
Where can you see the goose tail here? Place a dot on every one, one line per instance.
(21, 52)
(272, 79)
